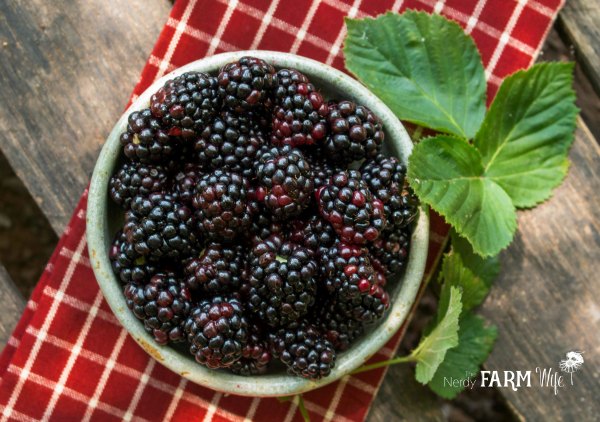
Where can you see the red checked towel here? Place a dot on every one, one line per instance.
(69, 359)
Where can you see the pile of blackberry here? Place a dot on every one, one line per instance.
(261, 221)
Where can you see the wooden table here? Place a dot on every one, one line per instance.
(60, 97)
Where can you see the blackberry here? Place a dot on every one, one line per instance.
(160, 227)
(285, 183)
(300, 111)
(184, 185)
(219, 269)
(264, 224)
(304, 350)
(221, 205)
(390, 251)
(315, 234)
(322, 169)
(187, 103)
(217, 331)
(355, 132)
(146, 140)
(135, 179)
(347, 271)
(255, 355)
(163, 304)
(230, 141)
(246, 83)
(349, 206)
(386, 177)
(127, 264)
(369, 307)
(337, 326)
(281, 286)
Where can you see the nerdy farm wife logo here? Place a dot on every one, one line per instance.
(545, 377)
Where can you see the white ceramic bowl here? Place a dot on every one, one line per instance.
(103, 218)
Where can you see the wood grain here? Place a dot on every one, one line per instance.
(12, 305)
(580, 20)
(546, 301)
(65, 77)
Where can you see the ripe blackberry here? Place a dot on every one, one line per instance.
(221, 205)
(184, 185)
(347, 271)
(230, 141)
(390, 251)
(135, 179)
(281, 286)
(285, 183)
(163, 304)
(336, 326)
(304, 350)
(322, 169)
(315, 234)
(264, 224)
(160, 227)
(218, 270)
(246, 83)
(127, 264)
(300, 111)
(355, 132)
(386, 177)
(349, 206)
(146, 140)
(255, 355)
(369, 307)
(217, 331)
(187, 103)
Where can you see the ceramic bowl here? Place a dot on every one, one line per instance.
(104, 219)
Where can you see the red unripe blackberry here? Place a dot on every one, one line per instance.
(219, 269)
(354, 132)
(246, 84)
(163, 305)
(221, 204)
(351, 209)
(160, 227)
(128, 265)
(184, 185)
(285, 183)
(390, 252)
(217, 331)
(146, 140)
(347, 271)
(300, 111)
(304, 350)
(231, 141)
(386, 177)
(281, 287)
(135, 179)
(186, 103)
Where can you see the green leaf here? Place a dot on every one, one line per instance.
(431, 350)
(448, 174)
(526, 135)
(475, 342)
(485, 268)
(455, 273)
(424, 67)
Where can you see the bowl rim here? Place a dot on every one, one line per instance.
(270, 385)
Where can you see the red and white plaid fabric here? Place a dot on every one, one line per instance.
(69, 359)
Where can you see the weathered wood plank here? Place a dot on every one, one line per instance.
(12, 305)
(579, 20)
(546, 301)
(66, 71)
